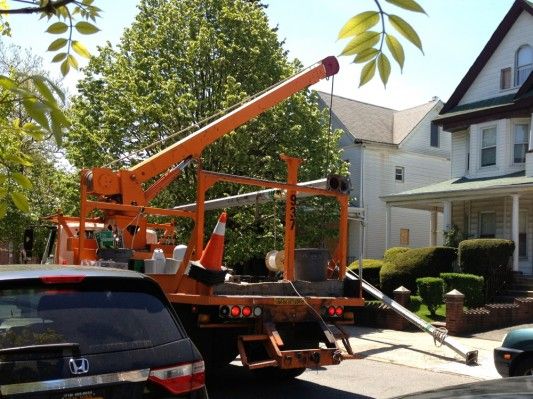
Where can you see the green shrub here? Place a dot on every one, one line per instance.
(431, 290)
(483, 255)
(468, 284)
(371, 268)
(391, 253)
(415, 303)
(415, 263)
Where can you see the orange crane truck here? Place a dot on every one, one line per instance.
(280, 326)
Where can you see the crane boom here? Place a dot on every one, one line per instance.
(126, 184)
(194, 144)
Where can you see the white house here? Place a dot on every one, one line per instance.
(489, 115)
(389, 152)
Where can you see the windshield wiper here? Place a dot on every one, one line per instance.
(41, 348)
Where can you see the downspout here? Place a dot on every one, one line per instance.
(362, 200)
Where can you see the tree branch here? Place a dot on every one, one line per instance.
(50, 8)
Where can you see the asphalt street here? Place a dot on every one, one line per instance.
(352, 379)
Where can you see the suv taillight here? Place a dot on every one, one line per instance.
(185, 377)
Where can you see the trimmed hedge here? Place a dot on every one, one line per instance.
(468, 284)
(416, 263)
(482, 255)
(431, 290)
(371, 269)
(415, 303)
(392, 253)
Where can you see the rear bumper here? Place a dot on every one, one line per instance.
(503, 360)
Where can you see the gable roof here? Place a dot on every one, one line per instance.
(501, 31)
(406, 120)
(363, 121)
(373, 123)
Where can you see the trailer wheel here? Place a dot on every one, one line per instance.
(276, 374)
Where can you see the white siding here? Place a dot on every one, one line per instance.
(419, 139)
(379, 166)
(504, 150)
(460, 150)
(352, 154)
(487, 83)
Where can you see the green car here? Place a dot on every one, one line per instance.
(515, 356)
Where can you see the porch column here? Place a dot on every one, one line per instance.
(447, 215)
(530, 143)
(433, 229)
(515, 229)
(387, 226)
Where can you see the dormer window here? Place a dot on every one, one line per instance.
(524, 64)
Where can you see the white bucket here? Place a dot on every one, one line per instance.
(171, 266)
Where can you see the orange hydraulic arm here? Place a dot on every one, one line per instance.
(127, 184)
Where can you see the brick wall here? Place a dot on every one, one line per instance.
(489, 317)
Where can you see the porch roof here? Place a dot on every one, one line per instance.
(463, 188)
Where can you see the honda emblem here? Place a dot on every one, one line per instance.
(79, 366)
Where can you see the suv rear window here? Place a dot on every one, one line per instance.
(99, 320)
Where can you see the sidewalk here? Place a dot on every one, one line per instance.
(417, 349)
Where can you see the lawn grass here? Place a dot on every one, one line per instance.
(423, 313)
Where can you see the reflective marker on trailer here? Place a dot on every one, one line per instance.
(331, 311)
(258, 311)
(235, 311)
(339, 311)
(246, 311)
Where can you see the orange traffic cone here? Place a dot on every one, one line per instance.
(214, 250)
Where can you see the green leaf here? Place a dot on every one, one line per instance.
(65, 67)
(7, 83)
(367, 73)
(73, 62)
(3, 210)
(57, 28)
(20, 201)
(22, 180)
(365, 55)
(361, 42)
(3, 191)
(359, 23)
(59, 57)
(56, 88)
(18, 159)
(57, 44)
(37, 111)
(86, 28)
(59, 121)
(410, 5)
(396, 49)
(80, 48)
(34, 131)
(383, 68)
(43, 89)
(406, 30)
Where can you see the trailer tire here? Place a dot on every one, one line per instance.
(277, 374)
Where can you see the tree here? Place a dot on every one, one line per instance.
(27, 161)
(179, 63)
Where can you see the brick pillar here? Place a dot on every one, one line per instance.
(455, 319)
(403, 296)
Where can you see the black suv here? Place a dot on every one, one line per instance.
(92, 333)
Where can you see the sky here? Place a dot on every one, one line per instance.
(453, 33)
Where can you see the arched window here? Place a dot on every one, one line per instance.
(524, 64)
